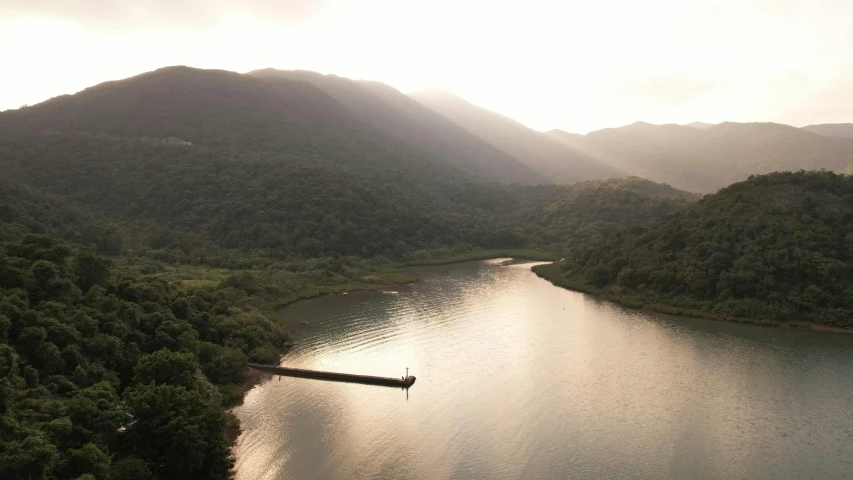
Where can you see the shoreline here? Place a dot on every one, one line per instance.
(546, 273)
(392, 274)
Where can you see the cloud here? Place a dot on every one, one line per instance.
(185, 13)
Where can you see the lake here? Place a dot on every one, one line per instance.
(518, 379)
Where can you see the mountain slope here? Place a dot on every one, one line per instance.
(340, 190)
(559, 218)
(555, 160)
(276, 164)
(405, 120)
(775, 247)
(832, 129)
(187, 107)
(206, 107)
(269, 173)
(23, 212)
(704, 160)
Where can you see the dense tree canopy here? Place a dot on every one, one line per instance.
(188, 200)
(109, 372)
(776, 247)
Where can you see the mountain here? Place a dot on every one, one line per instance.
(704, 160)
(220, 109)
(699, 125)
(832, 129)
(196, 163)
(406, 121)
(242, 161)
(537, 150)
(210, 108)
(565, 137)
(775, 247)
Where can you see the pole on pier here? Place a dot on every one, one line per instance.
(407, 372)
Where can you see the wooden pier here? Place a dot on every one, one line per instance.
(336, 377)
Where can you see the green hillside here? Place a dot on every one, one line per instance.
(777, 247)
(260, 175)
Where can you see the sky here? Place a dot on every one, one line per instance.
(577, 66)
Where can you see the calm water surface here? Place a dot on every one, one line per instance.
(520, 379)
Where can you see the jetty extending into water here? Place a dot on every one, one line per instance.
(336, 377)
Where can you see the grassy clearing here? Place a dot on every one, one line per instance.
(389, 274)
(372, 281)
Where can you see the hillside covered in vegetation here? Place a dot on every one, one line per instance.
(150, 229)
(189, 162)
(777, 247)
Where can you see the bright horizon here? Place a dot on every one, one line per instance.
(576, 66)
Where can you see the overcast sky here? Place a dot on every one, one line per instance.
(578, 66)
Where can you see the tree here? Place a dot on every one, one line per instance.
(179, 432)
(89, 459)
(30, 459)
(165, 367)
(130, 468)
(222, 364)
(90, 270)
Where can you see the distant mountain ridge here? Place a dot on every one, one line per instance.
(832, 129)
(307, 114)
(705, 160)
(699, 125)
(555, 160)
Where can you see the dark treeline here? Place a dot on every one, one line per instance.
(777, 247)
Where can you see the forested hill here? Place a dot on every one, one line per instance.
(707, 159)
(181, 106)
(561, 218)
(23, 211)
(206, 107)
(777, 247)
(553, 159)
(406, 121)
(191, 159)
